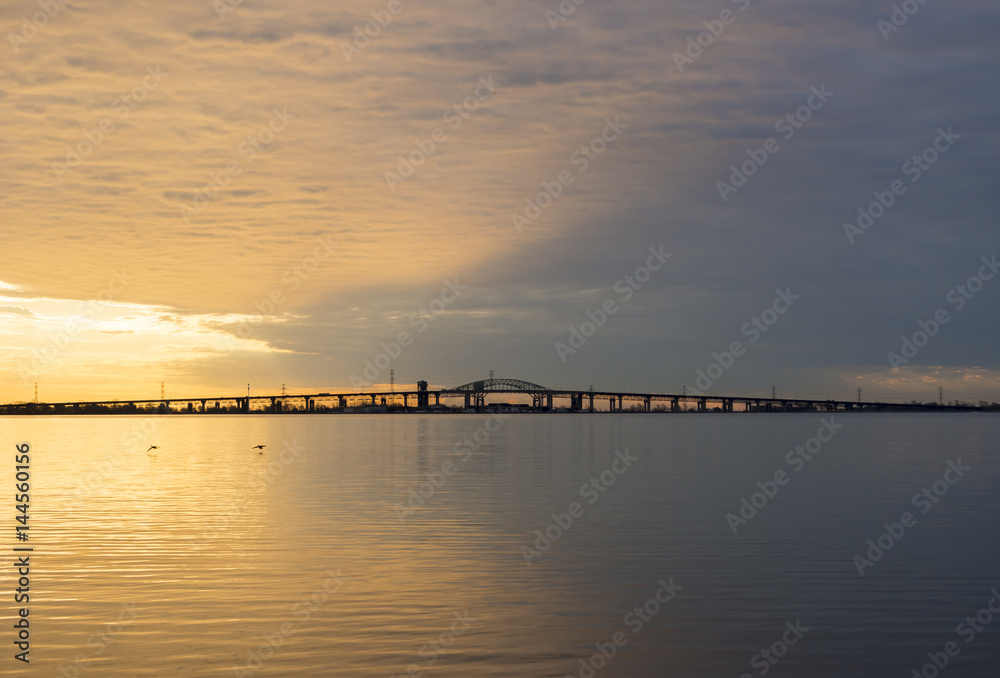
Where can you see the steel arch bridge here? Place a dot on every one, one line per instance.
(474, 393)
(500, 386)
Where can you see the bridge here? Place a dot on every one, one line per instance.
(474, 395)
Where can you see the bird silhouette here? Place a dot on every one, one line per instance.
(152, 447)
(258, 447)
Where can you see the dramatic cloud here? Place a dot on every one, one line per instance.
(286, 192)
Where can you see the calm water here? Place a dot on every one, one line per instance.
(304, 562)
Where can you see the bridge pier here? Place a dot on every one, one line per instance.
(649, 404)
(702, 404)
(404, 401)
(675, 404)
(727, 404)
(591, 402)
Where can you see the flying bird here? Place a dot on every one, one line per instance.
(258, 447)
(152, 447)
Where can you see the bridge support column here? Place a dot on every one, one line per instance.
(405, 397)
(203, 407)
(702, 404)
(591, 402)
(620, 408)
(727, 404)
(548, 401)
(437, 398)
(675, 404)
(611, 404)
(649, 404)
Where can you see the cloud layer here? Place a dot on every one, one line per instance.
(230, 154)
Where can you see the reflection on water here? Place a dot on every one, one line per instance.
(396, 545)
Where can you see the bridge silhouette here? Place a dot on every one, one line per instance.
(475, 396)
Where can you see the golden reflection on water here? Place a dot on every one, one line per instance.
(217, 548)
(204, 557)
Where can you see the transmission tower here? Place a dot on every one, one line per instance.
(941, 395)
(161, 391)
(859, 395)
(774, 393)
(392, 381)
(36, 391)
(282, 390)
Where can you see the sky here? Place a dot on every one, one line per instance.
(210, 194)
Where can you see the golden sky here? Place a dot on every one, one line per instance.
(180, 164)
